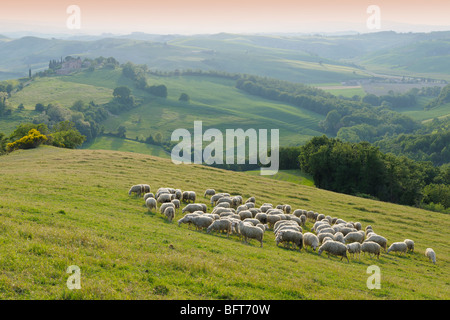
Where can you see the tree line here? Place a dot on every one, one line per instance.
(362, 169)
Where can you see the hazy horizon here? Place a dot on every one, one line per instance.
(212, 17)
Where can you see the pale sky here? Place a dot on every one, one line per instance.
(213, 16)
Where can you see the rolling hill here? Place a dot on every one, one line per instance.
(64, 207)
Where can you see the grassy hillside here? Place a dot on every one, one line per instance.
(64, 207)
(215, 101)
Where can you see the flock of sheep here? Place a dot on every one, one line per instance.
(232, 215)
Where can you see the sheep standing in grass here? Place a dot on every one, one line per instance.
(148, 195)
(209, 192)
(354, 236)
(191, 207)
(188, 219)
(150, 203)
(398, 247)
(354, 247)
(220, 225)
(201, 222)
(287, 236)
(409, 244)
(138, 189)
(165, 197)
(166, 205)
(382, 241)
(334, 248)
(310, 240)
(176, 203)
(248, 231)
(371, 248)
(431, 255)
(169, 212)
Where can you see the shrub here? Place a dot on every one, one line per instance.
(32, 140)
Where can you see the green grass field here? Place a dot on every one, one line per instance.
(294, 176)
(63, 207)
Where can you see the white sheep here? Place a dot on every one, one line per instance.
(169, 212)
(354, 247)
(248, 231)
(398, 247)
(138, 189)
(287, 236)
(187, 218)
(209, 192)
(192, 207)
(202, 222)
(310, 240)
(176, 203)
(165, 197)
(148, 195)
(322, 236)
(409, 244)
(251, 200)
(338, 236)
(150, 203)
(334, 248)
(431, 255)
(371, 248)
(166, 205)
(354, 236)
(220, 225)
(382, 241)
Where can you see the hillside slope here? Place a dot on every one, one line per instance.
(64, 207)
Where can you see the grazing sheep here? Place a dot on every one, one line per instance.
(287, 236)
(310, 240)
(223, 205)
(358, 226)
(409, 244)
(253, 221)
(266, 207)
(263, 227)
(320, 217)
(303, 220)
(310, 215)
(431, 255)
(169, 212)
(338, 236)
(382, 241)
(187, 218)
(201, 222)
(241, 208)
(220, 225)
(146, 188)
(354, 236)
(353, 248)
(334, 248)
(245, 214)
(216, 197)
(321, 229)
(251, 200)
(148, 195)
(371, 248)
(249, 205)
(320, 223)
(165, 197)
(298, 212)
(176, 203)
(220, 210)
(272, 218)
(138, 189)
(262, 217)
(322, 236)
(166, 205)
(398, 247)
(178, 194)
(150, 203)
(192, 207)
(249, 231)
(209, 192)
